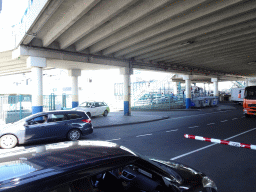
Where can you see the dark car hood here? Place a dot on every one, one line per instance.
(183, 174)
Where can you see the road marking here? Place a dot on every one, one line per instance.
(211, 124)
(224, 121)
(234, 118)
(189, 116)
(193, 127)
(113, 139)
(172, 130)
(243, 117)
(143, 135)
(210, 145)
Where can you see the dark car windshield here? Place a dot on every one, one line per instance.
(250, 92)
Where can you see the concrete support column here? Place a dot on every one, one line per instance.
(37, 64)
(215, 85)
(175, 88)
(127, 90)
(187, 79)
(74, 73)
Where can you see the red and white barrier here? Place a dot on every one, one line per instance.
(231, 143)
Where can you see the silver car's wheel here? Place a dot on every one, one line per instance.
(74, 135)
(8, 141)
(105, 114)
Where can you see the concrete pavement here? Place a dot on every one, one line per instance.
(118, 118)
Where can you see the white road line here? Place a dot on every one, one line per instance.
(211, 124)
(143, 135)
(210, 145)
(243, 117)
(113, 139)
(172, 130)
(189, 116)
(234, 118)
(224, 121)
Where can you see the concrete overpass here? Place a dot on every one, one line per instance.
(211, 40)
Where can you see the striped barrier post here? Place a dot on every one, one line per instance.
(224, 142)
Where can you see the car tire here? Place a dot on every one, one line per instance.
(89, 114)
(246, 115)
(8, 141)
(105, 113)
(74, 135)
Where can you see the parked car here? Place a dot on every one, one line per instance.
(96, 166)
(93, 108)
(46, 125)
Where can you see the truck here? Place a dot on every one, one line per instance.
(249, 103)
(237, 95)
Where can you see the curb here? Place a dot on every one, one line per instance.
(114, 125)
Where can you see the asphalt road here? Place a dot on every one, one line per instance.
(233, 169)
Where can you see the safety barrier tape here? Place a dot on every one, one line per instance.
(224, 142)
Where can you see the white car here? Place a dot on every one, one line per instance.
(93, 108)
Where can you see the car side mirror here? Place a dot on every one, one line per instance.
(25, 124)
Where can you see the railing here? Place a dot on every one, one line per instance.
(16, 107)
(151, 88)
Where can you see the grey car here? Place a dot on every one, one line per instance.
(46, 125)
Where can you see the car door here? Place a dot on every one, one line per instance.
(93, 109)
(36, 129)
(97, 109)
(58, 125)
(102, 108)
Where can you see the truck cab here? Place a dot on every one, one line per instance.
(249, 103)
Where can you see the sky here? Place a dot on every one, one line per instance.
(12, 11)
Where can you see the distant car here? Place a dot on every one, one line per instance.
(46, 125)
(95, 166)
(93, 108)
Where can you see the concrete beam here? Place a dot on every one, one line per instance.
(123, 20)
(5, 59)
(100, 14)
(36, 62)
(39, 20)
(221, 38)
(155, 19)
(74, 72)
(78, 9)
(13, 62)
(216, 53)
(225, 40)
(177, 34)
(16, 67)
(67, 56)
(171, 25)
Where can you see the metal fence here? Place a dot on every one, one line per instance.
(16, 107)
(158, 100)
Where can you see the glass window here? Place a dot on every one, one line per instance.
(74, 116)
(102, 104)
(56, 117)
(86, 104)
(38, 120)
(97, 104)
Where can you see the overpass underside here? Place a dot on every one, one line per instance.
(202, 39)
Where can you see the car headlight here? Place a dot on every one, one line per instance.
(207, 182)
